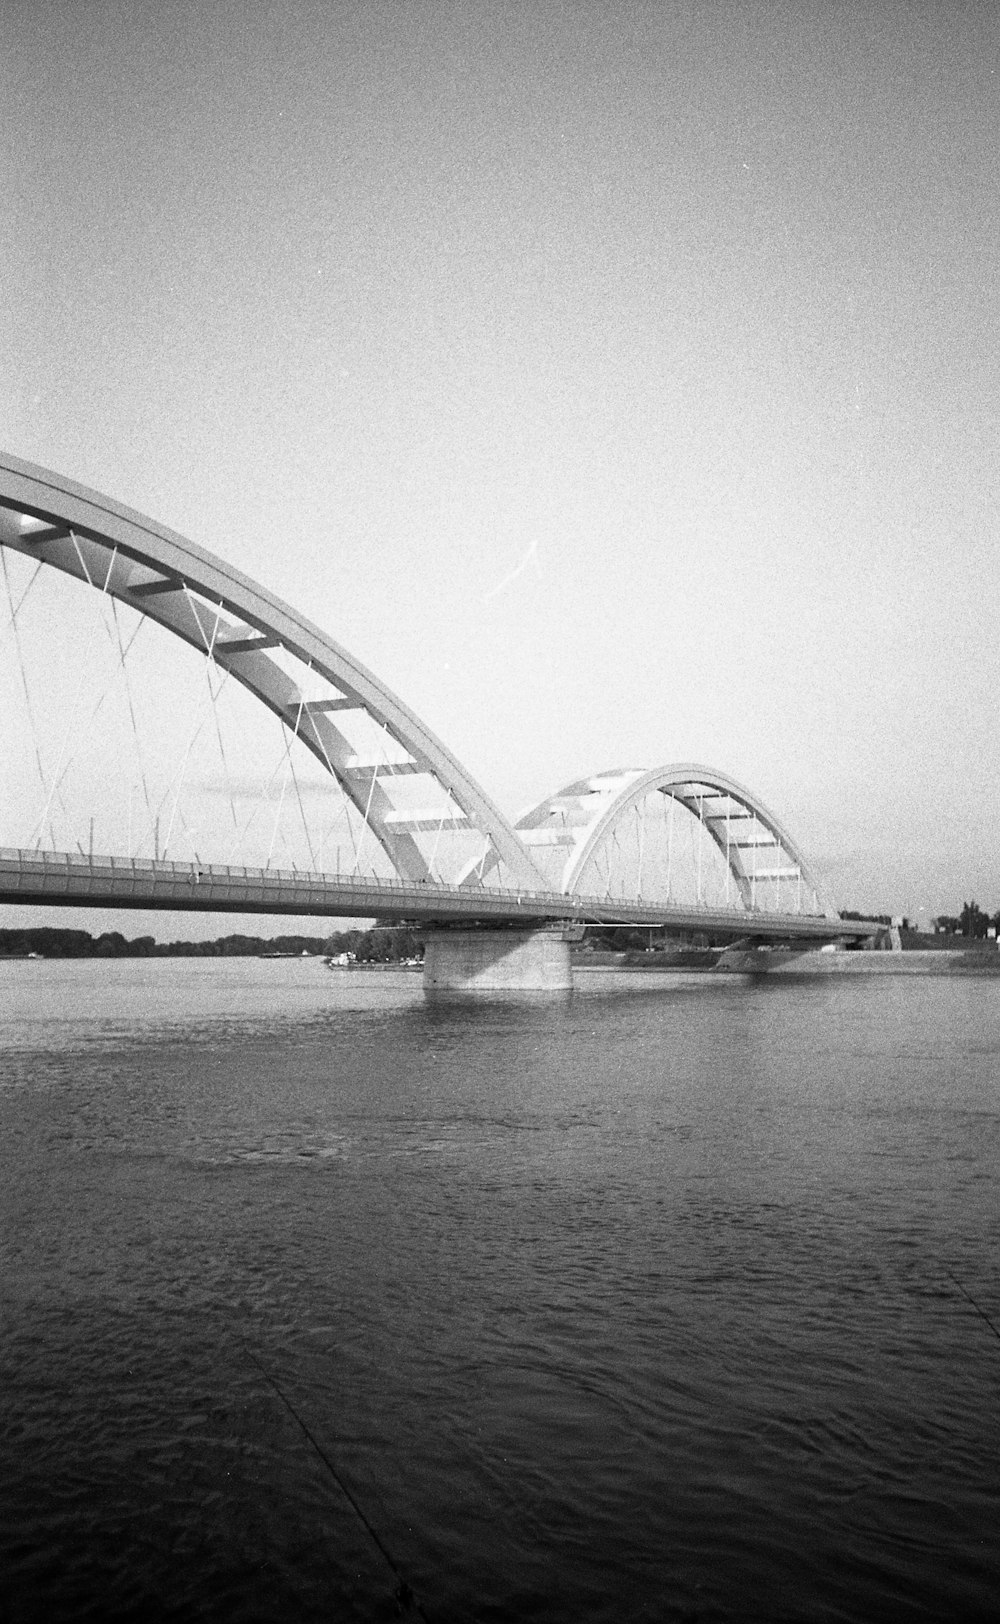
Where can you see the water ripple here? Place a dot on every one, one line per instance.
(645, 1305)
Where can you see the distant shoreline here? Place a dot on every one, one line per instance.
(973, 960)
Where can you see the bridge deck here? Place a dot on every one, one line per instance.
(75, 880)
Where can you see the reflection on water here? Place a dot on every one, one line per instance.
(644, 1304)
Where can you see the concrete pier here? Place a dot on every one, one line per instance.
(474, 961)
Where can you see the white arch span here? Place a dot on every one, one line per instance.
(581, 815)
(243, 628)
(233, 621)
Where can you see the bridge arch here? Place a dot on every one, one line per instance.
(250, 634)
(581, 817)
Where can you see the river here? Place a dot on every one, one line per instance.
(660, 1302)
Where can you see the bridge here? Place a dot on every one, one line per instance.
(186, 740)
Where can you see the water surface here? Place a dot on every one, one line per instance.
(646, 1304)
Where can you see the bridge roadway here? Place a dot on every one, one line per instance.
(61, 879)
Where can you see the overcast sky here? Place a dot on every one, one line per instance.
(619, 382)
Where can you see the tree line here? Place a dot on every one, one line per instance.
(379, 945)
(973, 921)
(382, 944)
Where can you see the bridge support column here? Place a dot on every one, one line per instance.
(485, 960)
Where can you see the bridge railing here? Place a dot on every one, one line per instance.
(79, 866)
(168, 867)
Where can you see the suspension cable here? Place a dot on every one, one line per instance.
(317, 734)
(241, 834)
(78, 734)
(368, 807)
(131, 709)
(24, 675)
(281, 798)
(213, 696)
(34, 577)
(295, 779)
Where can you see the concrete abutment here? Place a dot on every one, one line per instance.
(484, 961)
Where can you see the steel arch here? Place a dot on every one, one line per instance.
(583, 813)
(234, 621)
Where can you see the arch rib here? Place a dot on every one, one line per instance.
(585, 812)
(234, 622)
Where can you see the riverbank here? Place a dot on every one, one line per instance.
(977, 960)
